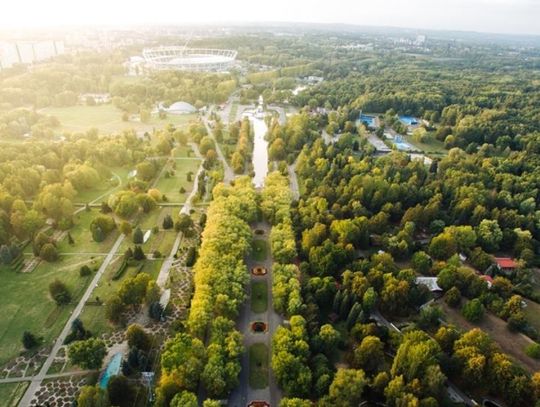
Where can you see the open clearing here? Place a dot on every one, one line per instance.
(511, 343)
(10, 393)
(258, 366)
(26, 305)
(170, 185)
(107, 119)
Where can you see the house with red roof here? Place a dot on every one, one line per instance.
(506, 264)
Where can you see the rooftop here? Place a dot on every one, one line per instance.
(506, 262)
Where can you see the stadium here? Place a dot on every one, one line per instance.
(189, 59)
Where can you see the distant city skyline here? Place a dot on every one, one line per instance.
(490, 16)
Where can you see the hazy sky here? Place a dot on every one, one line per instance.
(503, 16)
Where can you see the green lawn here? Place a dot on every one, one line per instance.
(107, 119)
(259, 296)
(258, 366)
(82, 237)
(434, 146)
(106, 186)
(259, 250)
(170, 186)
(25, 302)
(11, 393)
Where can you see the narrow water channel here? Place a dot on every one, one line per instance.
(260, 151)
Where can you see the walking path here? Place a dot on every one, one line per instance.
(244, 394)
(165, 270)
(36, 381)
(295, 189)
(228, 174)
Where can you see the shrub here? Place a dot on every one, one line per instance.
(473, 311)
(138, 236)
(191, 257)
(138, 338)
(533, 350)
(168, 222)
(138, 253)
(48, 252)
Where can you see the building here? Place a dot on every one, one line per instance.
(506, 264)
(178, 108)
(28, 52)
(430, 283)
(181, 58)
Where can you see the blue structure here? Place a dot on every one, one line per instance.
(367, 120)
(409, 120)
(402, 144)
(113, 368)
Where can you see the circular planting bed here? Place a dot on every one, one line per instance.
(259, 404)
(258, 271)
(259, 327)
(259, 232)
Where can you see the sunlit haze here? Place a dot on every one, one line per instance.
(498, 16)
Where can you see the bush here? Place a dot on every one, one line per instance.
(168, 222)
(87, 354)
(85, 271)
(59, 292)
(533, 350)
(138, 338)
(138, 236)
(473, 311)
(191, 257)
(138, 253)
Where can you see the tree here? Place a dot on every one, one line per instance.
(442, 246)
(184, 223)
(167, 222)
(184, 399)
(87, 354)
(369, 355)
(125, 228)
(92, 396)
(138, 253)
(29, 340)
(330, 338)
(473, 310)
(120, 392)
(489, 235)
(85, 271)
(294, 402)
(453, 297)
(59, 292)
(48, 252)
(421, 262)
(183, 359)
(114, 309)
(347, 387)
(138, 338)
(138, 236)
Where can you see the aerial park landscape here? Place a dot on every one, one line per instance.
(271, 215)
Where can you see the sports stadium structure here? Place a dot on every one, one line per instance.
(189, 59)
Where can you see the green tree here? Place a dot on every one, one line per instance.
(168, 222)
(185, 399)
(48, 252)
(183, 359)
(92, 396)
(347, 387)
(490, 235)
(59, 292)
(29, 340)
(120, 391)
(369, 355)
(138, 338)
(87, 354)
(473, 310)
(138, 236)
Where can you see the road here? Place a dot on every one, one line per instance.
(243, 394)
(36, 381)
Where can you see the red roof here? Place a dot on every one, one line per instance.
(487, 278)
(506, 262)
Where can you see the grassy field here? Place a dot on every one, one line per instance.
(511, 343)
(26, 305)
(93, 316)
(83, 237)
(106, 186)
(10, 393)
(258, 366)
(433, 147)
(259, 296)
(259, 250)
(107, 119)
(170, 186)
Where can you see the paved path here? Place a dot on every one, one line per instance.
(293, 180)
(243, 394)
(228, 174)
(164, 272)
(49, 376)
(36, 381)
